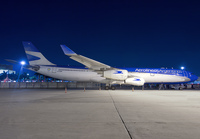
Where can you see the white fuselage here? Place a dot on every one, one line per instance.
(87, 75)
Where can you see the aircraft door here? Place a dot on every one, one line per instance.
(54, 70)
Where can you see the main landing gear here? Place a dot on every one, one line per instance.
(109, 87)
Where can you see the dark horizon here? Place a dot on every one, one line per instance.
(139, 34)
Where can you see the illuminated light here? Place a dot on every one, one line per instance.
(182, 68)
(22, 63)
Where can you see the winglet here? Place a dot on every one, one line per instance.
(67, 50)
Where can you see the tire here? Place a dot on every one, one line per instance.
(107, 88)
(112, 87)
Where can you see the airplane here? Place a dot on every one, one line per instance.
(95, 71)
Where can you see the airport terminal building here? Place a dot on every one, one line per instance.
(6, 68)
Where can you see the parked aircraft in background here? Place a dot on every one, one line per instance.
(95, 71)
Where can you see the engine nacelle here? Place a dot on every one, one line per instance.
(116, 74)
(135, 81)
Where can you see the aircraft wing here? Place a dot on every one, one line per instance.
(35, 67)
(89, 63)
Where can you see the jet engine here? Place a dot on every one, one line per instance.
(135, 81)
(116, 74)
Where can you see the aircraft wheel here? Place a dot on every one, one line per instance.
(107, 88)
(112, 87)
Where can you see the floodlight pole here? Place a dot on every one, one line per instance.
(22, 64)
(19, 73)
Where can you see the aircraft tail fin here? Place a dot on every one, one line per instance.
(34, 56)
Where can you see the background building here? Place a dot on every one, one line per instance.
(6, 68)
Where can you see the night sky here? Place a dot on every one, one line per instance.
(136, 33)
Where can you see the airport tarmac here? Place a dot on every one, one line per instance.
(99, 114)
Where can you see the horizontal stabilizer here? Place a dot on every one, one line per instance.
(12, 61)
(36, 67)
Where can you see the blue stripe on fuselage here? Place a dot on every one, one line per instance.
(158, 71)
